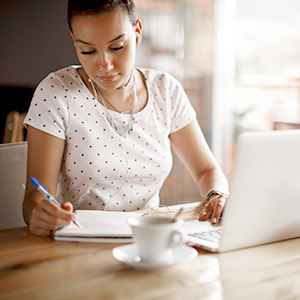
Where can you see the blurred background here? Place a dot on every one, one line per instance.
(238, 60)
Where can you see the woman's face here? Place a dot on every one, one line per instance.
(106, 46)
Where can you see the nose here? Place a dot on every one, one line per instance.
(105, 63)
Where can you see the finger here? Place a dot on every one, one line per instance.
(47, 217)
(52, 222)
(67, 206)
(43, 228)
(60, 213)
(40, 231)
(41, 225)
(218, 209)
(205, 212)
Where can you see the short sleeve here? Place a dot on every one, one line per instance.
(48, 110)
(182, 112)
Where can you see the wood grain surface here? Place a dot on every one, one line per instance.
(33, 267)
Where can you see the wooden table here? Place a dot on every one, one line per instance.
(33, 267)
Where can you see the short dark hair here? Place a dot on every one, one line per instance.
(94, 7)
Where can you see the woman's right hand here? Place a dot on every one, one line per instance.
(45, 155)
(47, 217)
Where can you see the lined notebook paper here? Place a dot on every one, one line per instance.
(98, 226)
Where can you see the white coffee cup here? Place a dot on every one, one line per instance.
(156, 237)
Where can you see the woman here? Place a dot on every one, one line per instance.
(100, 134)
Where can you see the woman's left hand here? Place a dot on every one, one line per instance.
(213, 209)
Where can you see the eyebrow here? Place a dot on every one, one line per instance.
(113, 40)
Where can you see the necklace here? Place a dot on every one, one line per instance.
(123, 131)
(124, 86)
(121, 112)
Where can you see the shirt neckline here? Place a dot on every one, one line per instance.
(76, 68)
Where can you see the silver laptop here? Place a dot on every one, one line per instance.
(264, 202)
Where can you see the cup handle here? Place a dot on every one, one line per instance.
(177, 238)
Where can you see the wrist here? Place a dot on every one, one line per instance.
(29, 204)
(214, 192)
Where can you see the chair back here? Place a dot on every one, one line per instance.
(14, 129)
(13, 166)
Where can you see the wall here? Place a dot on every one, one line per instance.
(35, 40)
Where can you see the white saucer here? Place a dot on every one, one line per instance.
(127, 254)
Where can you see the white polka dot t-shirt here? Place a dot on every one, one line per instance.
(100, 169)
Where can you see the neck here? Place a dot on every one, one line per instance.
(125, 130)
(119, 99)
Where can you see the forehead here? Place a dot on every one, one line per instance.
(105, 26)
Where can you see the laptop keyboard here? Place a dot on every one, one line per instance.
(210, 235)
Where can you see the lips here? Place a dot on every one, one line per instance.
(108, 78)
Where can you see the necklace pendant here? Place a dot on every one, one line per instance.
(122, 131)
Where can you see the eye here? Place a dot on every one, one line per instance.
(87, 52)
(119, 48)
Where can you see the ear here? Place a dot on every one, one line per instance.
(138, 32)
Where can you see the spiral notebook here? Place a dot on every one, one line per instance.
(98, 227)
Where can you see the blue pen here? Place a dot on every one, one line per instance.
(44, 191)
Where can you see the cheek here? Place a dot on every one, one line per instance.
(81, 58)
(128, 57)
(87, 62)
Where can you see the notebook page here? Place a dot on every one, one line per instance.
(96, 223)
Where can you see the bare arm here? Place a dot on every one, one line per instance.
(45, 154)
(192, 149)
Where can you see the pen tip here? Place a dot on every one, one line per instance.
(76, 223)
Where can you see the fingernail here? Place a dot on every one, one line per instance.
(202, 216)
(73, 218)
(214, 220)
